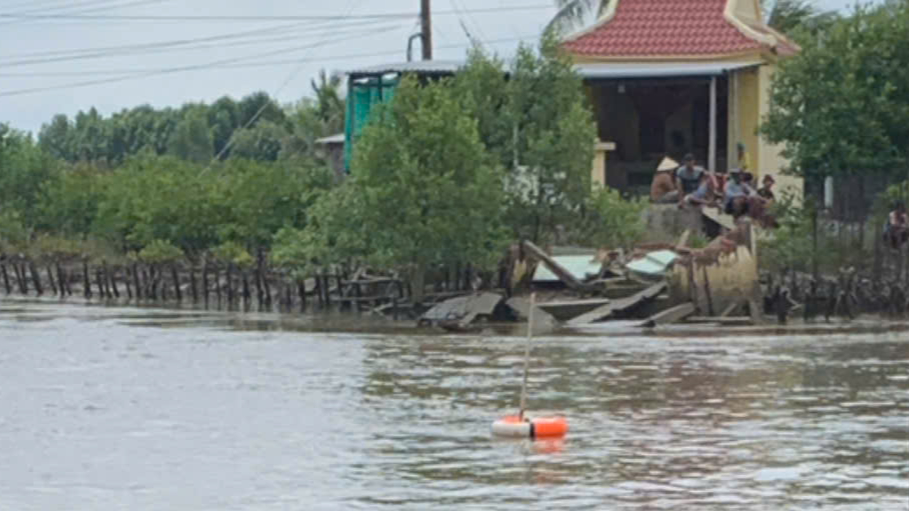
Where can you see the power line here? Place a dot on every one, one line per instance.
(252, 38)
(94, 6)
(146, 74)
(248, 18)
(269, 63)
(290, 77)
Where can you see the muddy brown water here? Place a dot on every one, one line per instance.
(149, 409)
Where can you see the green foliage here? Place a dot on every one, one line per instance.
(262, 142)
(13, 233)
(24, 167)
(164, 199)
(68, 205)
(192, 139)
(233, 252)
(798, 17)
(546, 145)
(196, 132)
(423, 192)
(572, 14)
(160, 251)
(791, 245)
(841, 107)
(334, 233)
(260, 199)
(611, 220)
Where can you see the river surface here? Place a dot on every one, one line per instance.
(144, 409)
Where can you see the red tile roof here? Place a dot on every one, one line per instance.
(665, 28)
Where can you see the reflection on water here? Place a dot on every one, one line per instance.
(153, 409)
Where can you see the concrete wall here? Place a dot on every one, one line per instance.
(747, 116)
(665, 223)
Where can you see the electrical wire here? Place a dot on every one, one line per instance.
(146, 74)
(93, 6)
(247, 38)
(269, 63)
(249, 18)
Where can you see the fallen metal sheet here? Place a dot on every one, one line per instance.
(563, 311)
(672, 315)
(653, 264)
(622, 305)
(463, 309)
(572, 270)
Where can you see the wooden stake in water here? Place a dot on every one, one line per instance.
(533, 299)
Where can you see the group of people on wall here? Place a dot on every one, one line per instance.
(690, 185)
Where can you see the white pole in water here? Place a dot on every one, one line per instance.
(533, 299)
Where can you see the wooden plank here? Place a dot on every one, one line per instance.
(621, 305)
(557, 269)
(672, 315)
(683, 239)
(730, 309)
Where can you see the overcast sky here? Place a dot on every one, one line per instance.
(276, 55)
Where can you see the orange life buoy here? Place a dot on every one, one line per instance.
(541, 427)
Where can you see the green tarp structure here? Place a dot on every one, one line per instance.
(362, 98)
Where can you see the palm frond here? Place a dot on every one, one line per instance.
(575, 14)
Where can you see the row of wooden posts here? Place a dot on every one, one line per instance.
(178, 283)
(172, 282)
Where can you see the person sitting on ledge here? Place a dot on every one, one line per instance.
(662, 189)
(766, 192)
(688, 177)
(736, 195)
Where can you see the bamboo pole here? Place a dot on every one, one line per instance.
(533, 299)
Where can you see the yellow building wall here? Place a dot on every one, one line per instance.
(747, 117)
(752, 90)
(771, 161)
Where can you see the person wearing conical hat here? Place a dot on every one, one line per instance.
(663, 188)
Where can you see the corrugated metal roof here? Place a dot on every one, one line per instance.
(606, 71)
(600, 71)
(654, 263)
(417, 66)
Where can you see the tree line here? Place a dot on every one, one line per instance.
(840, 110)
(448, 172)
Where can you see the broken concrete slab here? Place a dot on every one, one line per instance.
(671, 315)
(462, 310)
(564, 311)
(622, 305)
(722, 219)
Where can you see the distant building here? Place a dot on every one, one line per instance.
(664, 77)
(672, 77)
(332, 149)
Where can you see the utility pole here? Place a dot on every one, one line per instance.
(426, 26)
